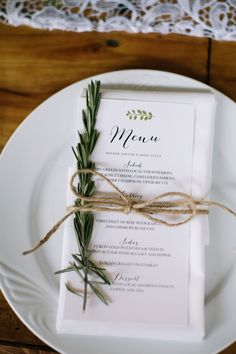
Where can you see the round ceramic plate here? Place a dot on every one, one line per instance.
(33, 177)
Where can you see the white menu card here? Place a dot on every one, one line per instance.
(148, 145)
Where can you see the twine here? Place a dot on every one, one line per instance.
(184, 205)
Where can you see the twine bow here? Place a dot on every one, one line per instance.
(184, 205)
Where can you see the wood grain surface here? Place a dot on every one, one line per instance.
(223, 68)
(34, 64)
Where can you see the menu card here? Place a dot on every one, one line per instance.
(147, 146)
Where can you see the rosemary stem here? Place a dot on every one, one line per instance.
(85, 291)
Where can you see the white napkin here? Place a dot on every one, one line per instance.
(201, 181)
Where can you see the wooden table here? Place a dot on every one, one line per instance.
(34, 64)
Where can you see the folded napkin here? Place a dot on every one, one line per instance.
(71, 320)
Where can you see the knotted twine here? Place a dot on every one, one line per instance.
(121, 203)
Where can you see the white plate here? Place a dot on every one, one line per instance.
(33, 195)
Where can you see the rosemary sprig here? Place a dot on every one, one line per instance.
(83, 221)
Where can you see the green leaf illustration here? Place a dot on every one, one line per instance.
(139, 114)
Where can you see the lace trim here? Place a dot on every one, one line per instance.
(202, 18)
